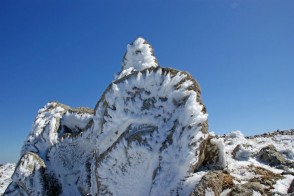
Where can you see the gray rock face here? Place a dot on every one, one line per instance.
(212, 181)
(247, 189)
(212, 155)
(269, 154)
(291, 188)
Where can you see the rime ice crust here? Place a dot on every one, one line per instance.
(54, 155)
(151, 130)
(139, 56)
(147, 135)
(144, 137)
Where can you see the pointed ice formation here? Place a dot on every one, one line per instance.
(139, 56)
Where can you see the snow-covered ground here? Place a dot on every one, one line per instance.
(244, 165)
(6, 172)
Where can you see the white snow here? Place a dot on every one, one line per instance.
(282, 186)
(243, 153)
(148, 98)
(209, 192)
(235, 134)
(143, 138)
(246, 157)
(139, 56)
(6, 172)
(191, 182)
(221, 156)
(256, 193)
(225, 192)
(142, 167)
(43, 134)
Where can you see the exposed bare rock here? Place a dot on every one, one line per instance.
(269, 154)
(247, 189)
(213, 181)
(212, 154)
(6, 171)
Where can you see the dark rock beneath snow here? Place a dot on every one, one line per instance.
(270, 155)
(291, 188)
(246, 189)
(290, 164)
(272, 134)
(213, 180)
(210, 156)
(150, 123)
(241, 153)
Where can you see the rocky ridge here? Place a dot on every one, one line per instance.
(147, 135)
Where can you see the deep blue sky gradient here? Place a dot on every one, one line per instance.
(240, 51)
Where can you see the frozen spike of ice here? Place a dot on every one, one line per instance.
(139, 55)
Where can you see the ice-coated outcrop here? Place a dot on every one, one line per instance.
(148, 135)
(139, 56)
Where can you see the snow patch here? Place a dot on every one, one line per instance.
(6, 172)
(283, 185)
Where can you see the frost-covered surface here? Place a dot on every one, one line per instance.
(242, 170)
(53, 156)
(151, 133)
(246, 167)
(139, 56)
(5, 176)
(144, 137)
(147, 135)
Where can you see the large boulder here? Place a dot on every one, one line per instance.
(211, 182)
(270, 155)
(247, 189)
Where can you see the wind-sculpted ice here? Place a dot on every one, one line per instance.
(151, 124)
(146, 136)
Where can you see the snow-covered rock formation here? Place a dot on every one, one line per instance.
(148, 135)
(5, 176)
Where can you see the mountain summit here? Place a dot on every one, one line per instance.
(139, 56)
(147, 135)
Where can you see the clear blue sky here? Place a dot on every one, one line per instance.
(240, 51)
